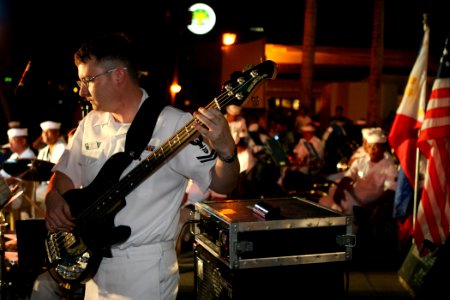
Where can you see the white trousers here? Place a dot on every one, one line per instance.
(46, 288)
(147, 272)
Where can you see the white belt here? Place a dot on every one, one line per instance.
(150, 249)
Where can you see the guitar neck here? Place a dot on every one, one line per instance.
(153, 161)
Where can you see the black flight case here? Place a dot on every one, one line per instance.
(281, 248)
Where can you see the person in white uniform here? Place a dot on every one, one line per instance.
(237, 123)
(20, 148)
(51, 152)
(144, 266)
(309, 151)
(368, 178)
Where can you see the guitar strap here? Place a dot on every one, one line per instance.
(141, 129)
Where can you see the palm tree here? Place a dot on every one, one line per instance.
(376, 63)
(307, 66)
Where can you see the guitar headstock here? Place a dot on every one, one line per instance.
(242, 84)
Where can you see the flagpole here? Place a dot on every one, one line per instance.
(416, 187)
(423, 91)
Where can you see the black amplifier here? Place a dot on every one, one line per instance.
(273, 232)
(214, 280)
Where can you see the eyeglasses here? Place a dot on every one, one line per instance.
(87, 80)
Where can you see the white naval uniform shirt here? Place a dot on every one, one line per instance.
(152, 209)
(370, 181)
(53, 157)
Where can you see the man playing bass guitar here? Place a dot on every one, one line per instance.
(103, 205)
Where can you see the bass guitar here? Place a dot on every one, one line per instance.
(74, 257)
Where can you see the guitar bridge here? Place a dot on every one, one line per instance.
(68, 254)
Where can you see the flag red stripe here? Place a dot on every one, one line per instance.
(429, 205)
(438, 190)
(441, 90)
(443, 175)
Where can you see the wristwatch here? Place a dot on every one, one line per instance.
(228, 159)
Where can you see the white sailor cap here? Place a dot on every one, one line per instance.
(376, 135)
(48, 125)
(233, 110)
(365, 132)
(14, 132)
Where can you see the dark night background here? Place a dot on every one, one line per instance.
(49, 33)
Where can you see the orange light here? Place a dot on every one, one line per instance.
(228, 38)
(175, 88)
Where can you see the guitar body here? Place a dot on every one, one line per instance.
(74, 257)
(95, 232)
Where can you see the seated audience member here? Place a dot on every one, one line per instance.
(309, 151)
(301, 119)
(368, 179)
(361, 150)
(253, 147)
(239, 132)
(237, 122)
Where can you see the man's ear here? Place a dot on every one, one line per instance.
(119, 75)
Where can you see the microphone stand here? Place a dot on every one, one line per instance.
(22, 79)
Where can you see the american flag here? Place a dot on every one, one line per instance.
(433, 215)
